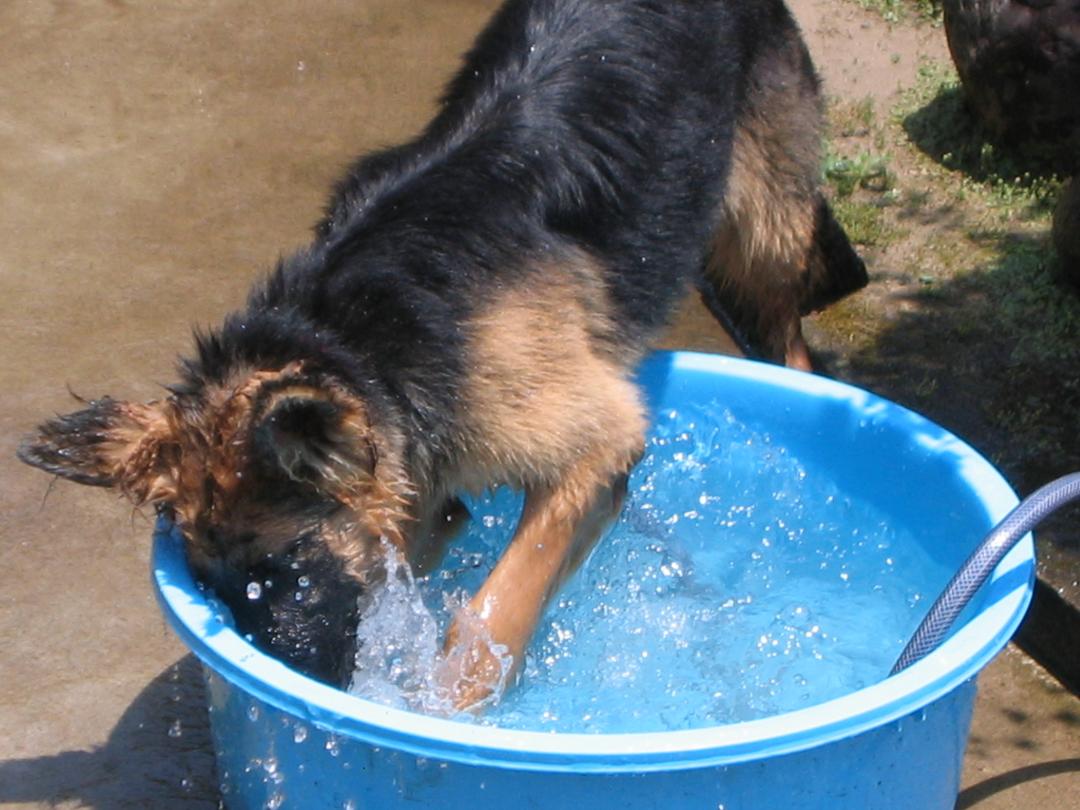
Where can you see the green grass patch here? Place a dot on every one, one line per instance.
(895, 11)
(1039, 308)
(864, 171)
(849, 119)
(935, 119)
(852, 321)
(863, 186)
(864, 222)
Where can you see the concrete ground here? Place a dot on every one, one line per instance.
(155, 158)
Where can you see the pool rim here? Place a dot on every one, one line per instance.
(960, 658)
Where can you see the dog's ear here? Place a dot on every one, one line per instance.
(126, 445)
(318, 437)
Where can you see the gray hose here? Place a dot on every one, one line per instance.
(973, 573)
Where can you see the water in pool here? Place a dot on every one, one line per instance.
(739, 582)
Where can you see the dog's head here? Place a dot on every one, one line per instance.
(282, 487)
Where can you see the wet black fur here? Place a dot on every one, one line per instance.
(67, 445)
(306, 611)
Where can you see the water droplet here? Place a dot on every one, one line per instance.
(254, 591)
(252, 712)
(300, 733)
(303, 581)
(175, 729)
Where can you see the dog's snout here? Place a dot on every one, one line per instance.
(299, 606)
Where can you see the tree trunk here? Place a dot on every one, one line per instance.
(1019, 64)
(1067, 230)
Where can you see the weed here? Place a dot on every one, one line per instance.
(851, 321)
(895, 11)
(864, 171)
(851, 119)
(927, 387)
(864, 222)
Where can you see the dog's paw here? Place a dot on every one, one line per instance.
(474, 671)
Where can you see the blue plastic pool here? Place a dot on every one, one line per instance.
(283, 740)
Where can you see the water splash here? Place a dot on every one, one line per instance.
(738, 583)
(400, 660)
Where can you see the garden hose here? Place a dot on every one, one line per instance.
(978, 567)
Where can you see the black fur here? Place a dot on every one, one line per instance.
(304, 609)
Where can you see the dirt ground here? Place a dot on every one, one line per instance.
(154, 159)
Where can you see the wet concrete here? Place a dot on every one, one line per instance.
(154, 158)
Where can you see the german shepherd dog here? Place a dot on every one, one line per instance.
(470, 313)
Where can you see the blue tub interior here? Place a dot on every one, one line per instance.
(282, 735)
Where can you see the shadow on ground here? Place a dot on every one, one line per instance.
(159, 755)
(946, 131)
(972, 796)
(993, 354)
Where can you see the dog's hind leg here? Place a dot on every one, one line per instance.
(777, 253)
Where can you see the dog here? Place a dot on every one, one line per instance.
(469, 314)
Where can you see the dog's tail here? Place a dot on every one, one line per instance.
(834, 269)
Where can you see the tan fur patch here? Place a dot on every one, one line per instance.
(765, 237)
(196, 457)
(542, 389)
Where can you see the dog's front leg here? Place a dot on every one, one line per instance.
(559, 525)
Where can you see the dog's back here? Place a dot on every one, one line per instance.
(603, 126)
